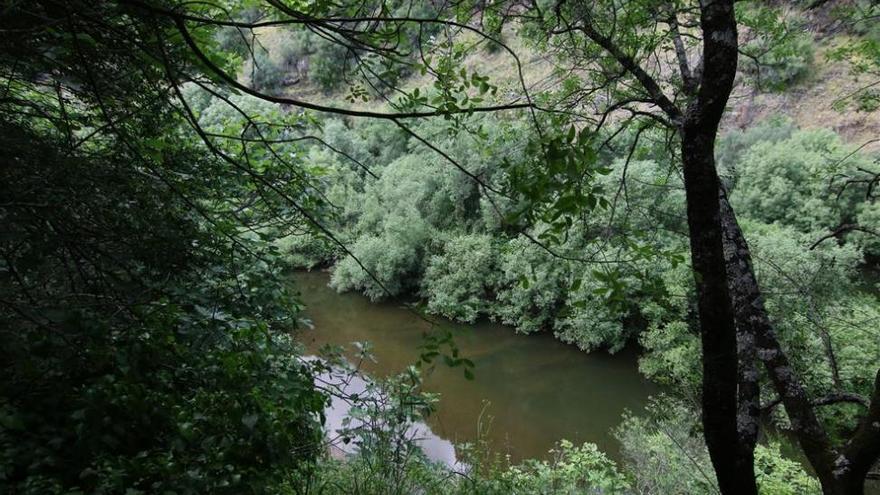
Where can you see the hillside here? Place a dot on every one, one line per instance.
(822, 98)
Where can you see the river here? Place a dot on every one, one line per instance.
(535, 389)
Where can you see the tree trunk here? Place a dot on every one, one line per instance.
(733, 465)
(732, 455)
(749, 393)
(841, 471)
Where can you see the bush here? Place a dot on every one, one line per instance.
(779, 475)
(665, 453)
(307, 250)
(372, 142)
(868, 100)
(801, 182)
(735, 144)
(329, 63)
(573, 470)
(234, 40)
(532, 286)
(590, 321)
(266, 74)
(671, 340)
(277, 60)
(162, 364)
(394, 257)
(458, 282)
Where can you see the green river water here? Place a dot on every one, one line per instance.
(534, 389)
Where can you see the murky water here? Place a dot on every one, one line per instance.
(535, 389)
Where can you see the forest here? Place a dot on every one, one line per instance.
(692, 184)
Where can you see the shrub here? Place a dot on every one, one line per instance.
(671, 340)
(531, 287)
(800, 182)
(665, 453)
(735, 144)
(573, 470)
(590, 321)
(307, 250)
(394, 257)
(458, 282)
(266, 74)
(374, 143)
(779, 475)
(868, 100)
(329, 63)
(164, 363)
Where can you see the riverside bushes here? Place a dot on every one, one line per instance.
(422, 228)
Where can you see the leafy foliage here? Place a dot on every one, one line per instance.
(780, 51)
(665, 456)
(456, 282)
(152, 365)
(573, 470)
(809, 181)
(144, 328)
(150, 207)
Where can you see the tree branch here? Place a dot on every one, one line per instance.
(181, 26)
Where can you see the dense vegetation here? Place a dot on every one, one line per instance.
(163, 172)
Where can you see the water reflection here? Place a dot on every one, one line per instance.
(345, 385)
(538, 389)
